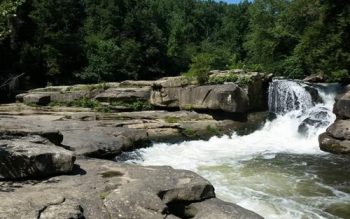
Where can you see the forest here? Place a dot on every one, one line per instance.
(87, 41)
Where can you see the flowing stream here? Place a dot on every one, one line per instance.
(277, 171)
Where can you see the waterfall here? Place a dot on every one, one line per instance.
(286, 96)
(268, 171)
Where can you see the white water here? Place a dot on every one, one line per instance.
(275, 171)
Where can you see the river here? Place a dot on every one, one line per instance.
(277, 171)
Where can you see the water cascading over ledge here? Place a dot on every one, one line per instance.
(286, 96)
(277, 171)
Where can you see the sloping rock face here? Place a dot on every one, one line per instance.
(228, 98)
(100, 189)
(179, 93)
(337, 137)
(31, 156)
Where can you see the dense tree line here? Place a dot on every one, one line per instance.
(66, 41)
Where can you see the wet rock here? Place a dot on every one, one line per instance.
(333, 145)
(315, 96)
(342, 106)
(31, 157)
(315, 78)
(316, 119)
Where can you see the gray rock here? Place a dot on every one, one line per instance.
(105, 135)
(178, 81)
(315, 96)
(166, 97)
(104, 189)
(216, 208)
(130, 83)
(228, 98)
(315, 78)
(64, 209)
(340, 130)
(71, 96)
(103, 142)
(31, 157)
(342, 106)
(36, 98)
(124, 94)
(332, 145)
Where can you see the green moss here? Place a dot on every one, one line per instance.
(103, 195)
(235, 78)
(188, 107)
(213, 130)
(190, 133)
(172, 119)
(137, 105)
(111, 173)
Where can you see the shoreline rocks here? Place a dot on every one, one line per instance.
(32, 156)
(106, 135)
(105, 189)
(336, 139)
(45, 171)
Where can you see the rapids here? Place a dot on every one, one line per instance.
(278, 171)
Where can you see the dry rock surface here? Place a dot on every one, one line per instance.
(105, 189)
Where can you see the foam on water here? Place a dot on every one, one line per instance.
(256, 171)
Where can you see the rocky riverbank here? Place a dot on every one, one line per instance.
(50, 142)
(337, 137)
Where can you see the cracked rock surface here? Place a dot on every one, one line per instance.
(31, 156)
(105, 189)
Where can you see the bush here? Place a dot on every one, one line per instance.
(202, 63)
(235, 78)
(291, 67)
(338, 76)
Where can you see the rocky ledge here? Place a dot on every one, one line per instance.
(50, 139)
(51, 187)
(337, 137)
(106, 135)
(168, 93)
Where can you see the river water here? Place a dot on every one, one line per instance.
(277, 171)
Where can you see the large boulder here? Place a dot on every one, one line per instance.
(104, 189)
(166, 91)
(342, 106)
(333, 145)
(340, 129)
(32, 156)
(228, 98)
(179, 92)
(104, 142)
(166, 97)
